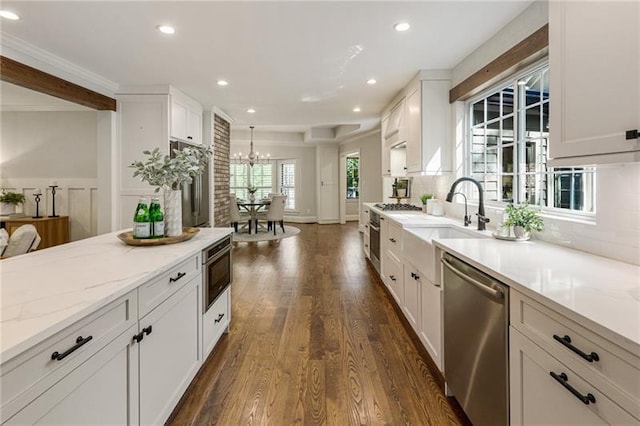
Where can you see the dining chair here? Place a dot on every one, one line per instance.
(22, 240)
(235, 215)
(275, 214)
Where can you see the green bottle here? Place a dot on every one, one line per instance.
(157, 218)
(141, 220)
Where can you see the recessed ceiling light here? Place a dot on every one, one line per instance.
(222, 83)
(371, 81)
(166, 29)
(356, 109)
(402, 26)
(251, 110)
(9, 15)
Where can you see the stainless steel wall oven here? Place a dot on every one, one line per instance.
(374, 239)
(217, 270)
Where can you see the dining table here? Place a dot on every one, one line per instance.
(253, 207)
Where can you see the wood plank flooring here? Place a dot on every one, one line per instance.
(314, 339)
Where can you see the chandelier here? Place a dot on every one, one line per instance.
(251, 158)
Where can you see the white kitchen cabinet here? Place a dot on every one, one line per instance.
(103, 389)
(536, 397)
(186, 118)
(395, 130)
(169, 356)
(215, 322)
(411, 306)
(594, 58)
(431, 319)
(395, 277)
(386, 159)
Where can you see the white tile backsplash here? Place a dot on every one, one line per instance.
(615, 233)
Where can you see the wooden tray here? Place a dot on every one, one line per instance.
(187, 234)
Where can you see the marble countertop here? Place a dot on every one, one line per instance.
(45, 291)
(601, 294)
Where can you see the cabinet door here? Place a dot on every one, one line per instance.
(594, 58)
(194, 126)
(168, 354)
(179, 118)
(395, 279)
(431, 319)
(538, 398)
(414, 133)
(104, 389)
(386, 159)
(411, 307)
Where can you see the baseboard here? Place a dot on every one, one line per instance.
(352, 217)
(300, 219)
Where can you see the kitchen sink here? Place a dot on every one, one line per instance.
(418, 248)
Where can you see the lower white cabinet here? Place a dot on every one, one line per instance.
(431, 319)
(411, 307)
(395, 277)
(543, 390)
(103, 389)
(215, 321)
(168, 351)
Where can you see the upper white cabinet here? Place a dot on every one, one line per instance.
(416, 130)
(594, 61)
(186, 118)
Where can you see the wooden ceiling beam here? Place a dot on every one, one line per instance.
(25, 76)
(522, 54)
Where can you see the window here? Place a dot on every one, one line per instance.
(243, 176)
(508, 135)
(288, 182)
(353, 170)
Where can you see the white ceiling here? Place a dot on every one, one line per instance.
(299, 64)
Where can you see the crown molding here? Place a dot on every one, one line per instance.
(361, 136)
(33, 56)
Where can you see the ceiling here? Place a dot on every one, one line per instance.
(298, 64)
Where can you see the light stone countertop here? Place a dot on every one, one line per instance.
(45, 291)
(600, 293)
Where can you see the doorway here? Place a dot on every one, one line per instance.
(350, 186)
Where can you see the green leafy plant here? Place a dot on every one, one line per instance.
(425, 197)
(14, 198)
(164, 172)
(523, 216)
(252, 190)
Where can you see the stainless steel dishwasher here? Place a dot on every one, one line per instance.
(476, 360)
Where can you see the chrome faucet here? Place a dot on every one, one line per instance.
(482, 219)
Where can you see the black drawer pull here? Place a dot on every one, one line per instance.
(79, 342)
(632, 134)
(147, 330)
(566, 341)
(219, 318)
(392, 277)
(138, 337)
(563, 380)
(180, 275)
(413, 275)
(392, 240)
(416, 277)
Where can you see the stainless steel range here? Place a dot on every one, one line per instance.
(397, 206)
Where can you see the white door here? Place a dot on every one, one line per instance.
(327, 161)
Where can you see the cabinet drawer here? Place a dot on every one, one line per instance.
(614, 365)
(215, 321)
(394, 242)
(152, 293)
(537, 398)
(27, 376)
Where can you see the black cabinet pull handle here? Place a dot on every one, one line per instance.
(566, 341)
(564, 381)
(632, 134)
(382, 218)
(80, 341)
(392, 277)
(189, 137)
(147, 330)
(413, 275)
(138, 337)
(180, 275)
(393, 240)
(219, 318)
(416, 277)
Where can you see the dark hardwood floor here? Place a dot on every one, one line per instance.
(314, 339)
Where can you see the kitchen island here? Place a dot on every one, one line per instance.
(73, 322)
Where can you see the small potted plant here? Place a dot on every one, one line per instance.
(9, 201)
(524, 220)
(425, 200)
(252, 193)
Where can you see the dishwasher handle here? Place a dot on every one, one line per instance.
(494, 292)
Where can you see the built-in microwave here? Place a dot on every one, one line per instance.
(217, 271)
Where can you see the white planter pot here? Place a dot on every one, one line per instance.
(7, 209)
(172, 213)
(521, 233)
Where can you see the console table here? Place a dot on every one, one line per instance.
(53, 230)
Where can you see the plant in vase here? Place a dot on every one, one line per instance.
(170, 174)
(523, 219)
(252, 193)
(425, 200)
(9, 201)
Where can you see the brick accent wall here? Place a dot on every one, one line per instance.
(221, 159)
